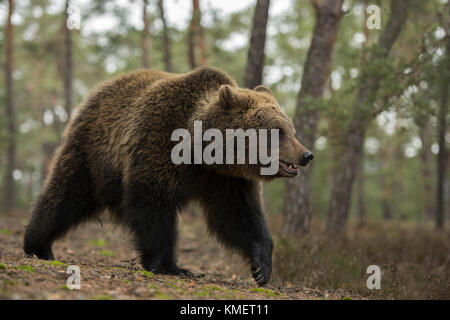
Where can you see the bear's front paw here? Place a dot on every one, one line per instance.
(262, 263)
(259, 276)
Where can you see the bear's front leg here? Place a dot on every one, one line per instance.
(234, 215)
(261, 261)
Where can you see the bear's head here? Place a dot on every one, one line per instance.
(236, 108)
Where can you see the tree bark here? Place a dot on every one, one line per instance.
(360, 199)
(297, 209)
(351, 149)
(10, 115)
(145, 39)
(387, 188)
(166, 39)
(196, 39)
(255, 60)
(67, 62)
(427, 169)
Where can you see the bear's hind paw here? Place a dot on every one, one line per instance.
(174, 271)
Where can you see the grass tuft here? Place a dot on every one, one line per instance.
(26, 268)
(414, 261)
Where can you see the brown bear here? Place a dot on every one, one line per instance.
(116, 155)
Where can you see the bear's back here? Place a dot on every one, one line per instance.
(137, 112)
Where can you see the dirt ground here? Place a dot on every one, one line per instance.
(110, 269)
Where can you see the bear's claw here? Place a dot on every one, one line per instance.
(259, 276)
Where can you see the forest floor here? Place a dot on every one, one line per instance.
(110, 269)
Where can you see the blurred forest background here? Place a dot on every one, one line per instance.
(369, 94)
(372, 103)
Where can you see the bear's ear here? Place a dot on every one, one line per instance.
(263, 89)
(228, 97)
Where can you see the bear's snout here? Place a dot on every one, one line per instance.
(306, 158)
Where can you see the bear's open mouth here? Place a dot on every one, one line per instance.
(289, 168)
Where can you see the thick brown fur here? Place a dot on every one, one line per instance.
(116, 155)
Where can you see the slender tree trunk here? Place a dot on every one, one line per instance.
(360, 180)
(67, 62)
(196, 39)
(360, 199)
(351, 149)
(387, 187)
(366, 32)
(166, 39)
(297, 210)
(201, 39)
(145, 39)
(442, 158)
(191, 46)
(10, 190)
(427, 169)
(255, 61)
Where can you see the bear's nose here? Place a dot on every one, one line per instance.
(306, 158)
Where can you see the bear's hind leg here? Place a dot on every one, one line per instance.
(65, 201)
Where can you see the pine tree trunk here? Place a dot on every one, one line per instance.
(196, 39)
(297, 210)
(10, 115)
(360, 199)
(387, 187)
(427, 169)
(145, 39)
(351, 150)
(255, 61)
(166, 40)
(67, 62)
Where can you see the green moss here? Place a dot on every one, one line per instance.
(173, 286)
(202, 293)
(97, 242)
(346, 298)
(26, 268)
(56, 263)
(107, 253)
(3, 266)
(215, 288)
(5, 232)
(147, 274)
(264, 291)
(120, 269)
(161, 295)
